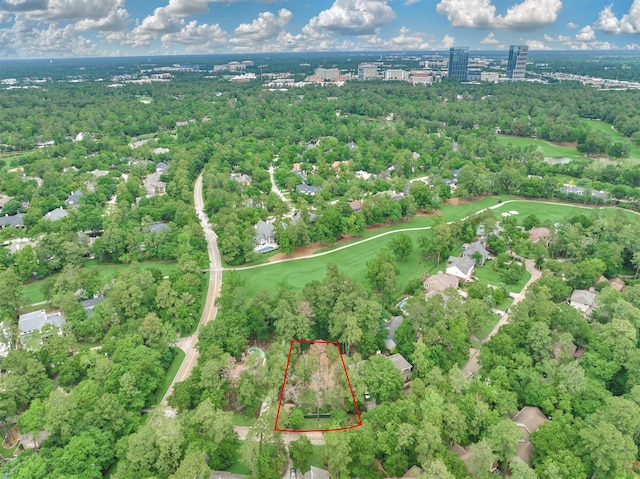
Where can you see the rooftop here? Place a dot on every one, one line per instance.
(400, 362)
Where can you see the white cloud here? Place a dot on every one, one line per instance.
(405, 40)
(632, 46)
(608, 22)
(22, 5)
(447, 42)
(572, 25)
(265, 27)
(411, 2)
(353, 17)
(117, 21)
(527, 15)
(198, 38)
(536, 45)
(586, 34)
(490, 40)
(25, 39)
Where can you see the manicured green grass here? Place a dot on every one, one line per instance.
(606, 128)
(353, 260)
(33, 290)
(548, 149)
(6, 453)
(488, 327)
(239, 467)
(171, 373)
(487, 275)
(316, 457)
(242, 420)
(310, 424)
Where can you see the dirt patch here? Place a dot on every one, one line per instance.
(11, 438)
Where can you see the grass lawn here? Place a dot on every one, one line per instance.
(314, 423)
(352, 261)
(171, 373)
(316, 457)
(487, 327)
(606, 128)
(33, 290)
(487, 275)
(6, 453)
(548, 149)
(242, 420)
(239, 467)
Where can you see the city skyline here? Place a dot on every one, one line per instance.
(59, 28)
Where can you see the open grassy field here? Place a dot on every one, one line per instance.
(171, 373)
(353, 260)
(548, 149)
(33, 290)
(606, 128)
(487, 275)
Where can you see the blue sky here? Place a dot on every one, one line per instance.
(55, 28)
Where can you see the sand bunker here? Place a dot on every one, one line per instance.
(513, 212)
(505, 214)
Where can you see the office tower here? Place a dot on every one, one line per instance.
(368, 71)
(517, 62)
(458, 62)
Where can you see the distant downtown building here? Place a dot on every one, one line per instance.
(517, 62)
(458, 63)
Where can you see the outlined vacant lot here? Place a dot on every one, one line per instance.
(316, 392)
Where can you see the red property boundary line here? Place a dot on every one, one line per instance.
(284, 381)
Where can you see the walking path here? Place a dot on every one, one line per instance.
(274, 187)
(473, 365)
(188, 343)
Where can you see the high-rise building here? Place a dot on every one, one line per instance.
(517, 62)
(458, 63)
(368, 71)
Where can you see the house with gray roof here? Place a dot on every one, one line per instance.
(35, 321)
(391, 326)
(162, 167)
(242, 178)
(468, 249)
(153, 185)
(155, 227)
(401, 365)
(99, 173)
(13, 221)
(438, 283)
(265, 235)
(308, 189)
(74, 198)
(583, 300)
(316, 473)
(89, 304)
(55, 215)
(529, 419)
(461, 268)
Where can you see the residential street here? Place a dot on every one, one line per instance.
(188, 343)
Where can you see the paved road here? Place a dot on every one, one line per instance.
(316, 438)
(274, 187)
(188, 343)
(473, 365)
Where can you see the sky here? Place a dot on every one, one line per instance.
(61, 28)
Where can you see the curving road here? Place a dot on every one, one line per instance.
(188, 343)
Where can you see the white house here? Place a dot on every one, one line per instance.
(461, 268)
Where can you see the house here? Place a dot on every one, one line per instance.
(55, 215)
(572, 190)
(468, 249)
(226, 475)
(461, 268)
(391, 326)
(316, 473)
(36, 321)
(401, 365)
(265, 235)
(155, 227)
(4, 199)
(540, 235)
(241, 178)
(617, 284)
(308, 189)
(74, 198)
(356, 205)
(153, 185)
(438, 283)
(89, 304)
(162, 167)
(529, 419)
(583, 300)
(570, 350)
(13, 221)
(363, 175)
